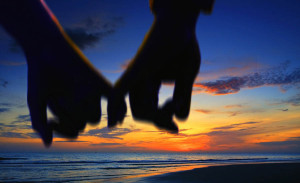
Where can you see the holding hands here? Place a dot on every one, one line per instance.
(62, 78)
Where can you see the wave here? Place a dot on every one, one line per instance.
(139, 162)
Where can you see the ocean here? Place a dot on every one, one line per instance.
(115, 167)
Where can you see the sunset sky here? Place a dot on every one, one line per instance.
(246, 97)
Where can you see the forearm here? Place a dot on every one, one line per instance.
(30, 22)
(44, 41)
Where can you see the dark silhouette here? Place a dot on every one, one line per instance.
(169, 53)
(62, 78)
(59, 75)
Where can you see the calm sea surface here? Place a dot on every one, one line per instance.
(114, 167)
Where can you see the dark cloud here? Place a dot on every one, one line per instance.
(282, 143)
(85, 34)
(291, 144)
(107, 144)
(22, 122)
(22, 118)
(110, 133)
(278, 76)
(92, 30)
(2, 109)
(284, 110)
(6, 104)
(3, 83)
(234, 125)
(12, 135)
(5, 107)
(32, 135)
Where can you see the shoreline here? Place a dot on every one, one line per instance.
(246, 173)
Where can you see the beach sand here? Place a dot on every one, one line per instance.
(242, 173)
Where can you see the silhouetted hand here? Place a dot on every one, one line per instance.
(169, 53)
(62, 79)
(59, 75)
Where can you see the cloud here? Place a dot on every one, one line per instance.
(2, 110)
(289, 145)
(125, 65)
(92, 30)
(204, 111)
(3, 83)
(122, 68)
(6, 104)
(32, 135)
(22, 118)
(230, 113)
(229, 136)
(107, 144)
(11, 63)
(86, 34)
(278, 76)
(293, 101)
(282, 143)
(283, 110)
(239, 69)
(234, 125)
(110, 133)
(12, 135)
(22, 122)
(233, 106)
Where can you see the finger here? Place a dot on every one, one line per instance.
(37, 107)
(164, 118)
(116, 109)
(144, 99)
(87, 108)
(69, 118)
(121, 112)
(67, 130)
(182, 97)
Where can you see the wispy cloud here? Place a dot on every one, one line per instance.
(230, 112)
(231, 126)
(12, 135)
(15, 134)
(231, 137)
(107, 144)
(107, 133)
(239, 69)
(278, 76)
(22, 118)
(205, 111)
(293, 101)
(233, 106)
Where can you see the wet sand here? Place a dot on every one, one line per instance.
(242, 173)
